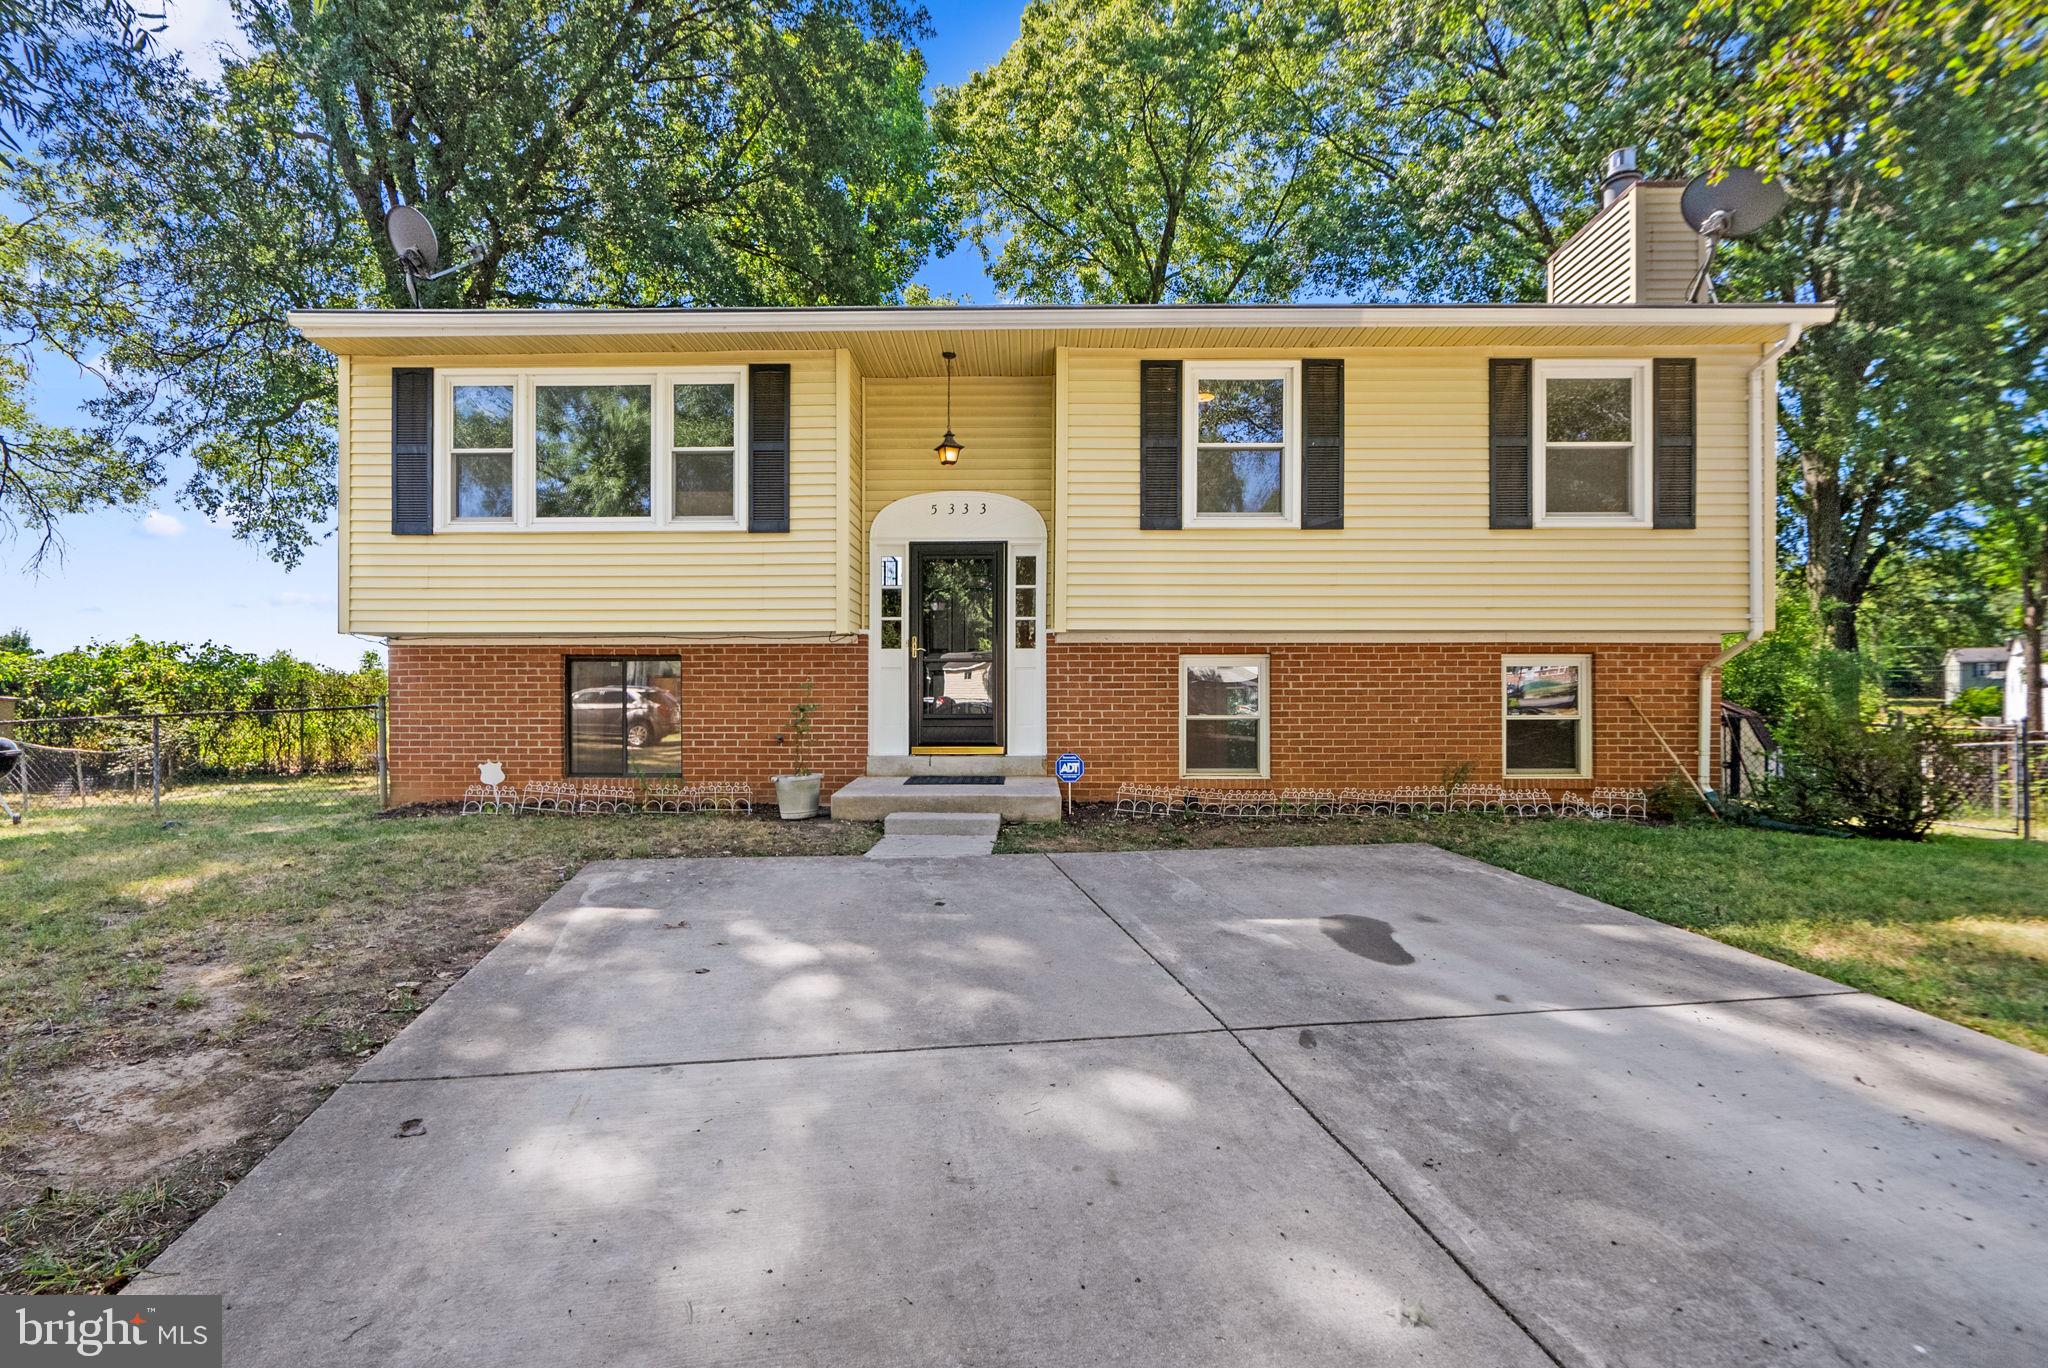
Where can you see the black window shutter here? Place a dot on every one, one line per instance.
(768, 448)
(1159, 444)
(1322, 444)
(1674, 455)
(412, 451)
(1508, 407)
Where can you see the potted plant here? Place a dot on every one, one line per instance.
(797, 794)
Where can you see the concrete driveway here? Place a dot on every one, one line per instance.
(1351, 1106)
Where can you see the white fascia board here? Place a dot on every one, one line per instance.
(338, 324)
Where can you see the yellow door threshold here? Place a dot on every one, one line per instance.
(957, 750)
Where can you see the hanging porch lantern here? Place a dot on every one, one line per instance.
(949, 445)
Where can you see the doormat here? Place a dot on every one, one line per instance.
(954, 779)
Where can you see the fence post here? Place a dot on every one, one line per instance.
(2026, 791)
(383, 759)
(156, 766)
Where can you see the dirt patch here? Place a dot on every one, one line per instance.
(118, 1124)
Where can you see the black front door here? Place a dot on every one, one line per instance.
(956, 681)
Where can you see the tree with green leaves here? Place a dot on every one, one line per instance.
(53, 309)
(1140, 151)
(1485, 127)
(583, 151)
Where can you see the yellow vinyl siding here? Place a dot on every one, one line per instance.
(853, 397)
(1638, 250)
(1415, 555)
(1597, 266)
(507, 582)
(1004, 423)
(1667, 250)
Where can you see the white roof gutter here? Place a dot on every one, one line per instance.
(338, 324)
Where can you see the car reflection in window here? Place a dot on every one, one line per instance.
(651, 715)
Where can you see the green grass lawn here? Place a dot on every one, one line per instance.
(173, 1001)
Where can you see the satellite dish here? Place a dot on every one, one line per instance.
(419, 251)
(412, 237)
(1726, 204)
(1731, 203)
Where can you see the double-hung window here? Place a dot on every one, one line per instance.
(1223, 716)
(1592, 457)
(586, 449)
(1547, 717)
(482, 457)
(1241, 446)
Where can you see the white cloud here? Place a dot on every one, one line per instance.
(295, 598)
(196, 30)
(157, 523)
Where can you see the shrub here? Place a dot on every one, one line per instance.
(1893, 781)
(1675, 800)
(1986, 700)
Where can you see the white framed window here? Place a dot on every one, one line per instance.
(483, 447)
(1547, 717)
(1026, 595)
(566, 449)
(1592, 454)
(1223, 730)
(1241, 444)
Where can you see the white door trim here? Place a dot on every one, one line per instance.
(955, 516)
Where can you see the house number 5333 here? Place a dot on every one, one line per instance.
(962, 509)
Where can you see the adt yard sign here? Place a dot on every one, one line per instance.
(1067, 769)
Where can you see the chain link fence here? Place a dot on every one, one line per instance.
(190, 764)
(2004, 779)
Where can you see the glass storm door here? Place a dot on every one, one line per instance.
(956, 679)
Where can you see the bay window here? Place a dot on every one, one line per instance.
(584, 449)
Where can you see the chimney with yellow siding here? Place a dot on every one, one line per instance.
(1637, 250)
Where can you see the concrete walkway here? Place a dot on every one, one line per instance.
(1349, 1106)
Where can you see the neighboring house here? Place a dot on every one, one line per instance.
(1971, 667)
(2015, 681)
(1261, 544)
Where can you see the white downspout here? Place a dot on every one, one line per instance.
(1763, 492)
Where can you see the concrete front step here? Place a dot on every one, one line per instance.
(1018, 799)
(942, 824)
(890, 766)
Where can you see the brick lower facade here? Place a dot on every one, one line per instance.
(1355, 714)
(455, 705)
(1340, 713)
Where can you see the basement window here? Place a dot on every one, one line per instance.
(623, 716)
(1547, 717)
(1223, 717)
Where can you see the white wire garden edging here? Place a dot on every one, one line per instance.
(599, 797)
(1173, 800)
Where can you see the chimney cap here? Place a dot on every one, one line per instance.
(1621, 177)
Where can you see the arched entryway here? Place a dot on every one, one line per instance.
(956, 647)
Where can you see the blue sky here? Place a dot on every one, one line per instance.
(166, 573)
